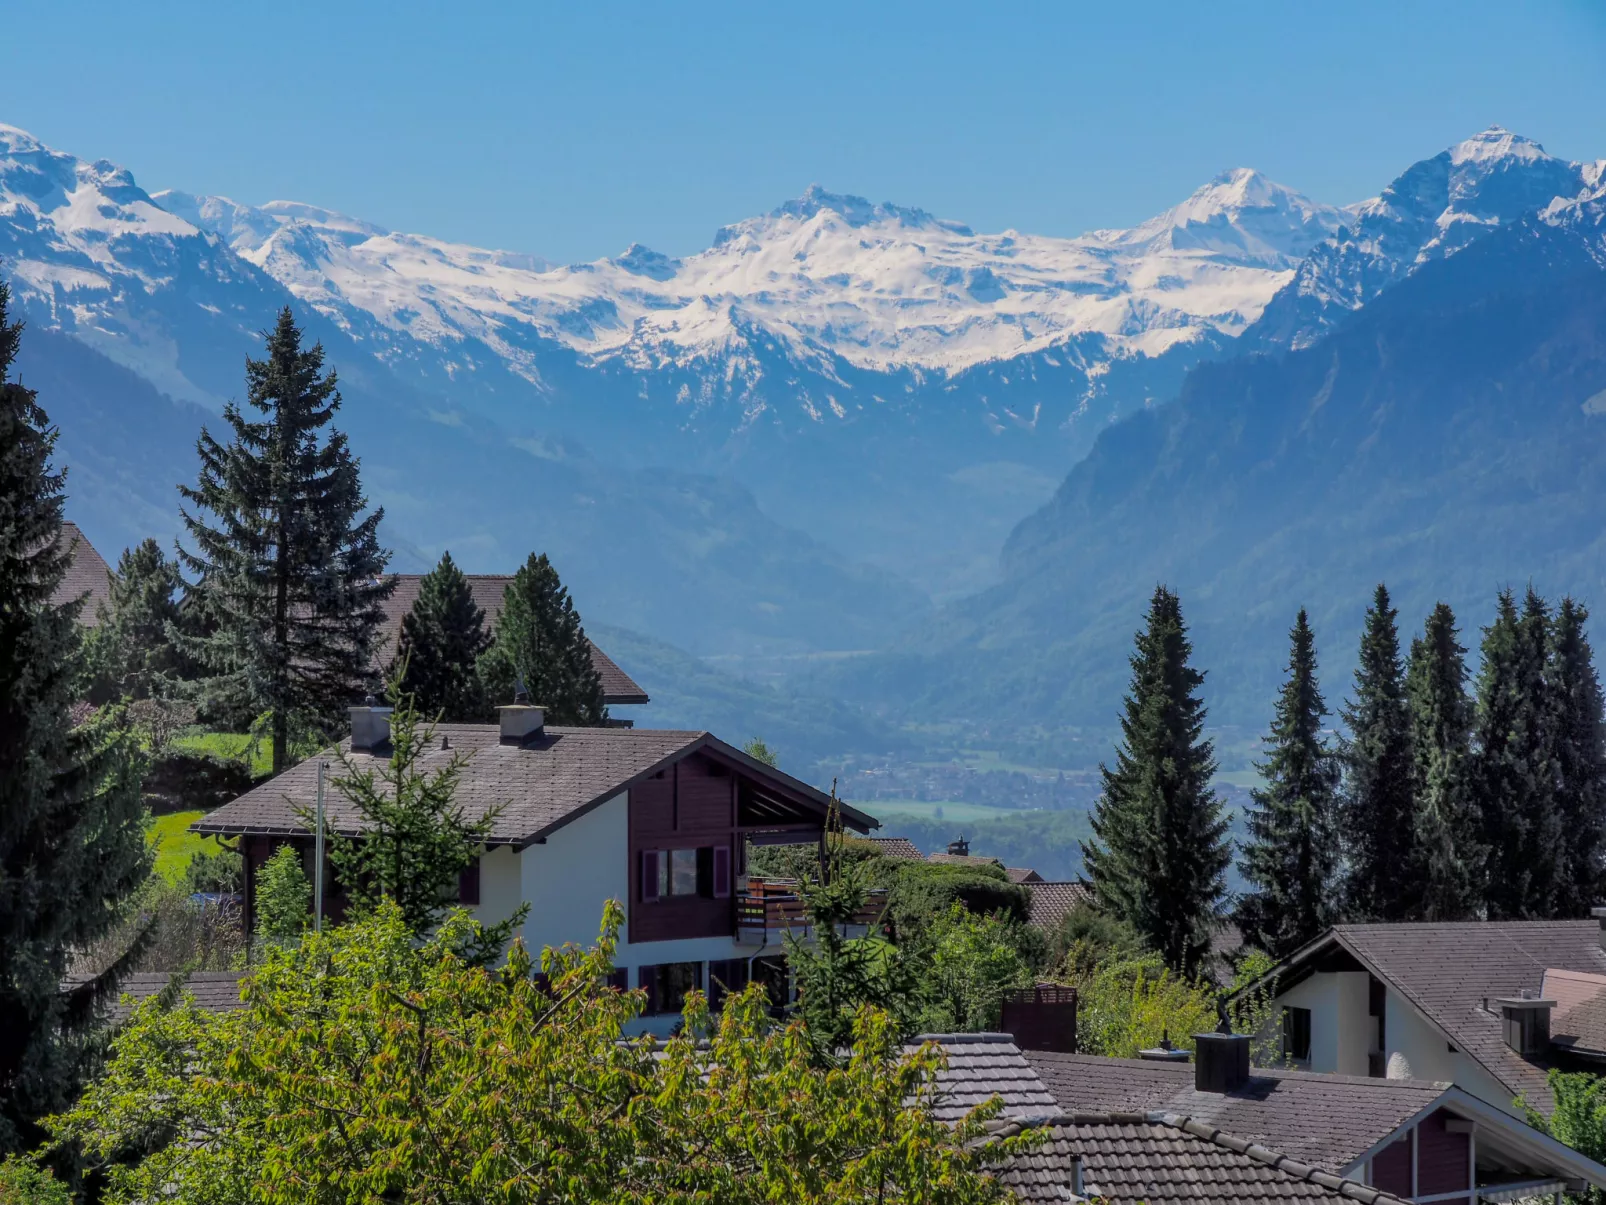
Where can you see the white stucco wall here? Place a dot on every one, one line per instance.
(1352, 990)
(1319, 993)
(1418, 1050)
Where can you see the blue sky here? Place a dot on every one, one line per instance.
(573, 130)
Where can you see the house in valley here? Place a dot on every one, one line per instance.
(660, 820)
(1490, 1006)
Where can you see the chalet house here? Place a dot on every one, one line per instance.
(1488, 1006)
(660, 820)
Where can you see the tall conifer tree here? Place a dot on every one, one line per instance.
(1580, 748)
(1291, 860)
(289, 570)
(72, 842)
(1160, 852)
(1378, 808)
(131, 649)
(540, 641)
(1451, 856)
(442, 638)
(1515, 776)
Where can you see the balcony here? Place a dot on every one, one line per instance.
(767, 909)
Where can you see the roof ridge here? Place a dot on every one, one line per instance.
(1353, 1189)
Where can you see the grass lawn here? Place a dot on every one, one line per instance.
(951, 810)
(175, 845)
(230, 746)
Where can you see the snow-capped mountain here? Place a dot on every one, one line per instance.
(1436, 208)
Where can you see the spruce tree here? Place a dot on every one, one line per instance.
(1291, 860)
(289, 571)
(1378, 813)
(442, 638)
(1515, 777)
(540, 642)
(1160, 851)
(131, 649)
(72, 843)
(1580, 748)
(1450, 854)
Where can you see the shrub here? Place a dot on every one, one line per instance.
(1130, 1004)
(973, 960)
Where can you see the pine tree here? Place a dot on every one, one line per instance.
(1378, 811)
(1160, 851)
(1451, 857)
(1514, 777)
(442, 638)
(289, 572)
(72, 842)
(1291, 860)
(1580, 747)
(131, 649)
(539, 640)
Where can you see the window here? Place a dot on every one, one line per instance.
(468, 884)
(1296, 1034)
(667, 983)
(725, 977)
(705, 872)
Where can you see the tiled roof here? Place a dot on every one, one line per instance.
(617, 686)
(539, 785)
(1579, 1021)
(1051, 901)
(1329, 1120)
(214, 991)
(984, 1065)
(1448, 970)
(898, 847)
(88, 576)
(1022, 874)
(1130, 1157)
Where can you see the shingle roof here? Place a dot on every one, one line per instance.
(898, 847)
(539, 785)
(1051, 901)
(1329, 1120)
(88, 576)
(1447, 970)
(984, 1065)
(214, 991)
(1579, 1022)
(618, 687)
(1022, 874)
(1130, 1157)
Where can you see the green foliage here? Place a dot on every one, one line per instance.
(24, 1182)
(366, 1066)
(221, 870)
(415, 839)
(1254, 1009)
(1128, 1005)
(1580, 751)
(1085, 938)
(1050, 842)
(131, 652)
(919, 892)
(759, 751)
(72, 844)
(283, 897)
(1160, 853)
(1446, 833)
(1291, 860)
(442, 638)
(289, 572)
(1579, 1118)
(970, 962)
(1381, 879)
(540, 641)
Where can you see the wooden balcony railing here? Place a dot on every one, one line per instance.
(766, 908)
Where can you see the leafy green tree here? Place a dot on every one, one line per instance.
(290, 574)
(1514, 775)
(970, 962)
(368, 1066)
(1084, 939)
(1378, 813)
(1580, 749)
(131, 652)
(1291, 861)
(540, 642)
(1128, 1005)
(1160, 851)
(72, 842)
(24, 1182)
(442, 638)
(1451, 857)
(1579, 1119)
(283, 897)
(759, 751)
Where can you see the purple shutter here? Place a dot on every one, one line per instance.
(722, 872)
(649, 874)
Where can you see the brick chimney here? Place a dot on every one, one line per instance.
(1220, 1061)
(959, 847)
(370, 726)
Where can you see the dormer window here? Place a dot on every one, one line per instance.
(1525, 1023)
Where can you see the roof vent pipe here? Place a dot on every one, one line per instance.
(1220, 1061)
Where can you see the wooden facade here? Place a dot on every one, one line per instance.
(1433, 1159)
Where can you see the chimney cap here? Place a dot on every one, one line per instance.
(1524, 1001)
(521, 692)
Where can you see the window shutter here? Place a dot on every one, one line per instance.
(722, 872)
(649, 874)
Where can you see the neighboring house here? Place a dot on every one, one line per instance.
(1051, 901)
(1022, 874)
(660, 820)
(88, 577)
(1487, 1005)
(618, 688)
(897, 847)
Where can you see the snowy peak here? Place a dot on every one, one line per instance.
(1241, 215)
(1496, 143)
(820, 207)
